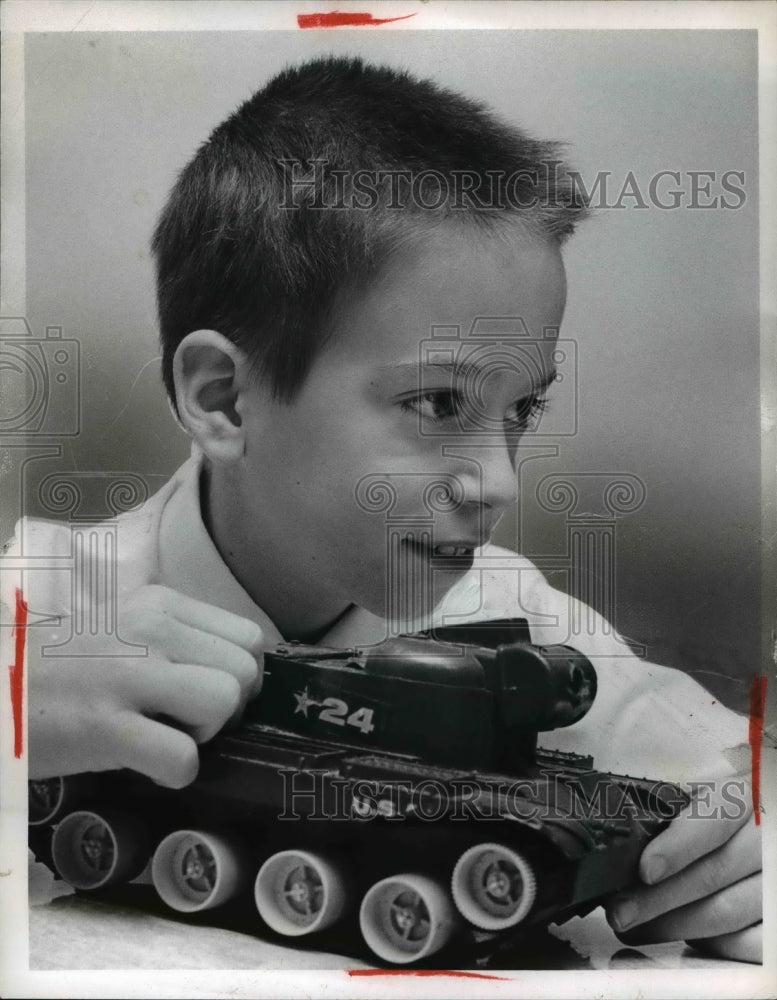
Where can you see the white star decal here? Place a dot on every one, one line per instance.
(304, 701)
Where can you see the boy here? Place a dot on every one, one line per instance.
(335, 267)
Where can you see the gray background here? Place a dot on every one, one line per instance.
(663, 305)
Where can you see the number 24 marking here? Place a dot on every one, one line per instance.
(336, 710)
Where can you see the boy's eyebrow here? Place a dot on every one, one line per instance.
(458, 370)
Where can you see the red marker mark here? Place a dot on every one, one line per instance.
(339, 19)
(16, 671)
(420, 972)
(755, 736)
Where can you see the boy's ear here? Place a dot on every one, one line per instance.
(210, 373)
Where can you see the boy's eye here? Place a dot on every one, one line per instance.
(442, 405)
(525, 413)
(436, 406)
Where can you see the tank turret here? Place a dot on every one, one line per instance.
(465, 695)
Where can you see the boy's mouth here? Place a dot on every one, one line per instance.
(452, 550)
(456, 555)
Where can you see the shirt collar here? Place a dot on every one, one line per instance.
(189, 562)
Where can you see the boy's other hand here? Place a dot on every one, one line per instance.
(144, 712)
(703, 881)
(183, 630)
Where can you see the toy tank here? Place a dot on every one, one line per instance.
(397, 788)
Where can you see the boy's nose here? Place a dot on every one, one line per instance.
(495, 481)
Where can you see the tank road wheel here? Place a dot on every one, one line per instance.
(91, 850)
(493, 886)
(297, 892)
(406, 917)
(49, 799)
(193, 871)
(45, 799)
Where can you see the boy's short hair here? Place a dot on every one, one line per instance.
(313, 183)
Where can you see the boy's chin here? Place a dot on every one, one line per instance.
(412, 608)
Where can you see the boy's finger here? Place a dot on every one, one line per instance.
(691, 835)
(735, 860)
(202, 699)
(162, 753)
(184, 644)
(732, 909)
(741, 946)
(243, 632)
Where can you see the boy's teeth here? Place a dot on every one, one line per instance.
(450, 550)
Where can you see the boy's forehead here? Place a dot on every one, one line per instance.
(454, 298)
(463, 351)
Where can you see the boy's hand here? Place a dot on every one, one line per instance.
(703, 876)
(144, 712)
(183, 630)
